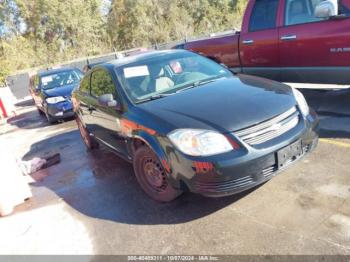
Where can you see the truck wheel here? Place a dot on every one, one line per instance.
(152, 177)
(89, 141)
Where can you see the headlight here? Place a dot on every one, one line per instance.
(197, 142)
(301, 102)
(55, 99)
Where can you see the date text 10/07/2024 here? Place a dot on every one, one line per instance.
(173, 258)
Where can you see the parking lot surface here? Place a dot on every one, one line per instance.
(91, 203)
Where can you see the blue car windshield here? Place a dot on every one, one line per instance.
(167, 74)
(60, 79)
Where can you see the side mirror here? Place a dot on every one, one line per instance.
(107, 100)
(326, 9)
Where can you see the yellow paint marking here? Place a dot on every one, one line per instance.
(334, 142)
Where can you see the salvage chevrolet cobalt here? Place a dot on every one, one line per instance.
(189, 124)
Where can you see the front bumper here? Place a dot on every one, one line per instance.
(60, 110)
(243, 169)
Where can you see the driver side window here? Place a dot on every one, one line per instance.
(301, 11)
(344, 9)
(102, 83)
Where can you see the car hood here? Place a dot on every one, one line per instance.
(60, 91)
(225, 105)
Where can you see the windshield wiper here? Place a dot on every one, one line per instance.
(154, 97)
(185, 87)
(199, 83)
(157, 96)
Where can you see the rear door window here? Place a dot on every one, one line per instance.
(264, 15)
(344, 8)
(301, 12)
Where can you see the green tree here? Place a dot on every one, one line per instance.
(63, 29)
(132, 23)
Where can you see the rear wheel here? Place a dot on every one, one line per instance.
(152, 177)
(89, 141)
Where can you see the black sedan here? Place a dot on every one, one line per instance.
(189, 124)
(51, 91)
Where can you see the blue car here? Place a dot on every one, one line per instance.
(51, 91)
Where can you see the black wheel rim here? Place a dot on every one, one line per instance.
(154, 174)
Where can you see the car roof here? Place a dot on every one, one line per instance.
(91, 65)
(144, 55)
(55, 71)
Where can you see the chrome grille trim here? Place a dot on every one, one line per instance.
(222, 186)
(266, 124)
(270, 129)
(270, 135)
(269, 171)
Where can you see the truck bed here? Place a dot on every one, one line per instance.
(221, 47)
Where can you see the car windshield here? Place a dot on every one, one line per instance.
(60, 79)
(167, 74)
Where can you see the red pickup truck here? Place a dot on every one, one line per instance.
(300, 41)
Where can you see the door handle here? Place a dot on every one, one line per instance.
(288, 37)
(248, 42)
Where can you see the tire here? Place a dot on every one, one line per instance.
(152, 177)
(50, 119)
(89, 141)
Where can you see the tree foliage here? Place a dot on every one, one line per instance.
(133, 23)
(42, 32)
(62, 28)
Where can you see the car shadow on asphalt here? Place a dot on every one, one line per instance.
(28, 120)
(333, 109)
(25, 103)
(31, 120)
(99, 184)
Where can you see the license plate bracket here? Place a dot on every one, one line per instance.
(289, 154)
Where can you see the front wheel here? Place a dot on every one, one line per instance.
(152, 177)
(50, 119)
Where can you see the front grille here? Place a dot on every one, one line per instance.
(270, 129)
(269, 171)
(223, 186)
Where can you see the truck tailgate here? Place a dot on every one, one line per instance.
(222, 49)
